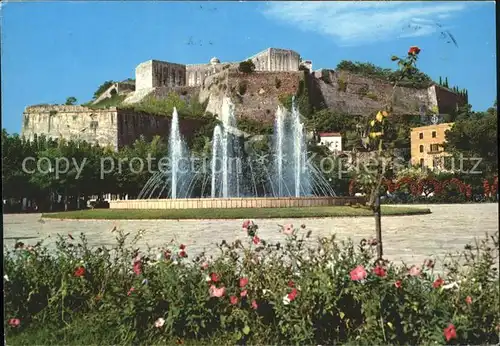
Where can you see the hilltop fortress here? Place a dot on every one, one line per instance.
(278, 73)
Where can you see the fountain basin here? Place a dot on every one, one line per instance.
(245, 202)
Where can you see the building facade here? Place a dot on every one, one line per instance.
(427, 145)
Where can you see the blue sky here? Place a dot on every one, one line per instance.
(52, 50)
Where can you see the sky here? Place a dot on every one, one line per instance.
(53, 50)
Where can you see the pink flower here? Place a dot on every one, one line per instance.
(256, 240)
(246, 224)
(288, 229)
(379, 271)
(243, 293)
(243, 282)
(254, 305)
(14, 322)
(358, 273)
(414, 271)
(233, 300)
(137, 268)
(398, 284)
(291, 283)
(204, 265)
(450, 332)
(130, 291)
(292, 295)
(216, 292)
(468, 300)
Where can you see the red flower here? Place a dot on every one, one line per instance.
(243, 282)
(292, 295)
(256, 240)
(137, 268)
(243, 293)
(130, 291)
(182, 246)
(398, 284)
(233, 300)
(438, 283)
(291, 283)
(414, 50)
(254, 305)
(468, 300)
(379, 271)
(358, 273)
(450, 332)
(14, 322)
(80, 271)
(214, 277)
(182, 253)
(167, 254)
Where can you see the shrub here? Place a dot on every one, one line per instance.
(242, 87)
(246, 66)
(342, 85)
(292, 292)
(277, 82)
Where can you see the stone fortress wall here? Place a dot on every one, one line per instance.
(155, 73)
(111, 127)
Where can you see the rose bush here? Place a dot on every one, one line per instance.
(297, 291)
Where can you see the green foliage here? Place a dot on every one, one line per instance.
(297, 291)
(371, 95)
(70, 101)
(475, 136)
(102, 88)
(165, 107)
(246, 66)
(413, 78)
(114, 101)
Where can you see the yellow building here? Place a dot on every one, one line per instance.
(426, 145)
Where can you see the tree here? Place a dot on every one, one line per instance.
(246, 66)
(102, 88)
(70, 101)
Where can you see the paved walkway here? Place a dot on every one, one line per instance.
(411, 239)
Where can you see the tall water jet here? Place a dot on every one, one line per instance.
(175, 152)
(216, 151)
(278, 158)
(298, 138)
(228, 131)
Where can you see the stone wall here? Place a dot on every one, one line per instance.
(448, 102)
(154, 73)
(116, 88)
(196, 74)
(274, 59)
(71, 123)
(111, 127)
(255, 95)
(132, 125)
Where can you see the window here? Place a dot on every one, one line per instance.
(421, 135)
(434, 147)
(433, 134)
(421, 148)
(421, 162)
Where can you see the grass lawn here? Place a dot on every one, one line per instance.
(240, 213)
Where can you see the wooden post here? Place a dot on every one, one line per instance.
(378, 227)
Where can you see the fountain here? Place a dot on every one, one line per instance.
(239, 179)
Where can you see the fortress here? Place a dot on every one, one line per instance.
(256, 95)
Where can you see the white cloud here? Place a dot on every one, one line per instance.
(357, 22)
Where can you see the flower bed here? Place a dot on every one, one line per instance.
(252, 292)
